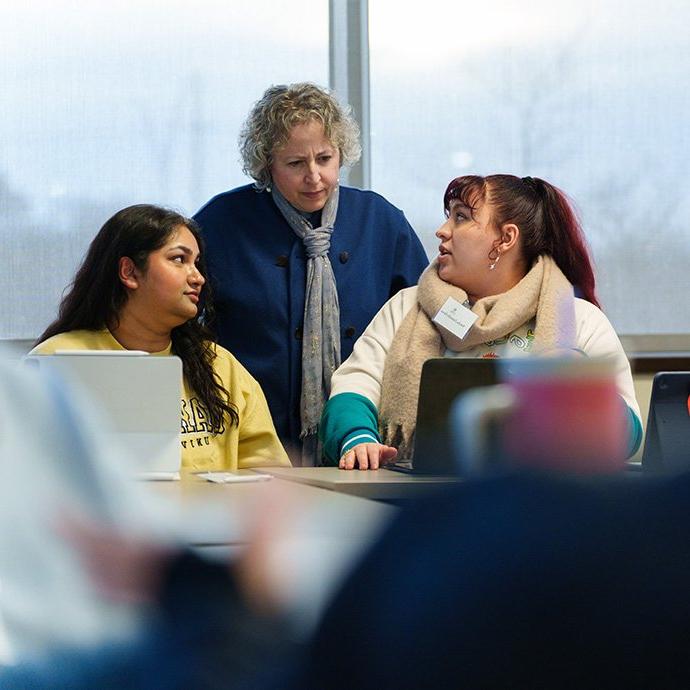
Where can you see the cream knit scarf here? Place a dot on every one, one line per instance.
(544, 293)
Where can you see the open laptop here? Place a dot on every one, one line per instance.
(667, 441)
(138, 397)
(442, 380)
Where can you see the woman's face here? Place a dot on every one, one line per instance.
(169, 288)
(306, 169)
(466, 241)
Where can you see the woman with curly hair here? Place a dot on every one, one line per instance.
(300, 264)
(141, 287)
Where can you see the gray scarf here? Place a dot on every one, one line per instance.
(321, 329)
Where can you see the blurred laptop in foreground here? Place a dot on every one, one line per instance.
(138, 396)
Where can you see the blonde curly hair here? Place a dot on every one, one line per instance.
(273, 116)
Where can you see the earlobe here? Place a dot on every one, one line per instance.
(127, 273)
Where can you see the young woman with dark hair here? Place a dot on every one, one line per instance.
(513, 252)
(140, 288)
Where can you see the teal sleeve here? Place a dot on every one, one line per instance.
(347, 419)
(634, 425)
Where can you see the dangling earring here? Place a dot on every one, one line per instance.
(494, 259)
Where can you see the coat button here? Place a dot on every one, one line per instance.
(349, 331)
(343, 256)
(282, 261)
(298, 334)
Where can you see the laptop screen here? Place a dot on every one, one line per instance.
(442, 380)
(138, 396)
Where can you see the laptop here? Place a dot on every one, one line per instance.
(667, 441)
(442, 380)
(138, 397)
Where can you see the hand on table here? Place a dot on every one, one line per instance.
(367, 456)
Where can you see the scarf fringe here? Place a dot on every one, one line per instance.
(309, 431)
(400, 437)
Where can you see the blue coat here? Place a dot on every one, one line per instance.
(258, 273)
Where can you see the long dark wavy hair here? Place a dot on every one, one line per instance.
(96, 297)
(548, 225)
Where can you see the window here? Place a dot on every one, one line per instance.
(109, 104)
(590, 96)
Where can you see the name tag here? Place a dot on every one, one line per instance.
(455, 317)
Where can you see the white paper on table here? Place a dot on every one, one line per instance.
(232, 478)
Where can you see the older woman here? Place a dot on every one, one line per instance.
(299, 264)
(511, 251)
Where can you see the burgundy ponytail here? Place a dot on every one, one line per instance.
(562, 239)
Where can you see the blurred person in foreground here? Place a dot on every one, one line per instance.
(142, 286)
(514, 258)
(299, 263)
(521, 581)
(85, 550)
(524, 580)
(53, 461)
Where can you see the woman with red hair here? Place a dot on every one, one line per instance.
(513, 253)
